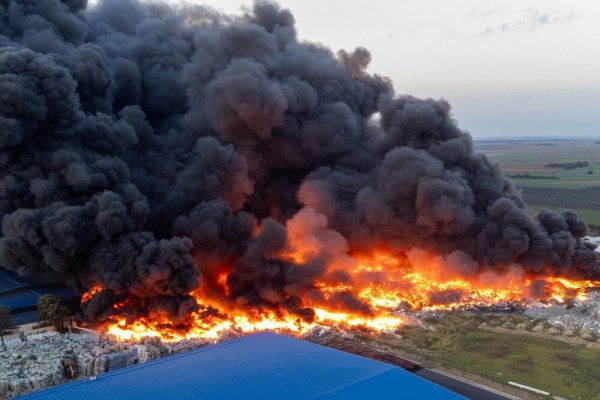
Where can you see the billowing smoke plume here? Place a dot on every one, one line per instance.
(150, 148)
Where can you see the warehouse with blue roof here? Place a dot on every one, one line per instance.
(20, 295)
(260, 366)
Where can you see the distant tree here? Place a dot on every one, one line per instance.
(590, 172)
(54, 311)
(568, 165)
(5, 324)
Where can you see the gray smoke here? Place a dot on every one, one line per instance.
(148, 148)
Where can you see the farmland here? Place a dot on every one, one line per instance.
(543, 186)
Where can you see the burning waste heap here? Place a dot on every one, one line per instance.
(191, 171)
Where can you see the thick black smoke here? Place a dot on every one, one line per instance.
(147, 147)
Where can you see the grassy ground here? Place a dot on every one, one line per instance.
(541, 363)
(572, 372)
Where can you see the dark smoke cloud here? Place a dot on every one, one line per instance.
(144, 145)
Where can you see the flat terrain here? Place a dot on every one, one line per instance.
(556, 188)
(541, 363)
(521, 157)
(563, 369)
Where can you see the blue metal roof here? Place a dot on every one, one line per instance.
(17, 293)
(13, 279)
(19, 300)
(23, 318)
(9, 280)
(261, 366)
(29, 298)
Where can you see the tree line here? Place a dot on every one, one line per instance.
(52, 311)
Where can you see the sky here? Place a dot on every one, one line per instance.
(508, 67)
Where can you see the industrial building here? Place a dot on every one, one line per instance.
(20, 295)
(261, 366)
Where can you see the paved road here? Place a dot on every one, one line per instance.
(461, 387)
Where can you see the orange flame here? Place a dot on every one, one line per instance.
(383, 282)
(87, 296)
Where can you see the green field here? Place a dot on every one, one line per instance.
(576, 189)
(556, 367)
(516, 157)
(570, 371)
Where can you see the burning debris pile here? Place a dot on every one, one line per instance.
(191, 171)
(575, 319)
